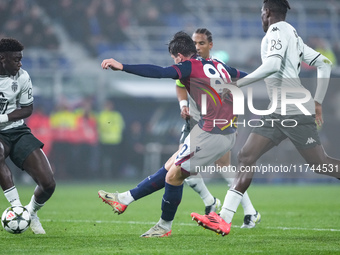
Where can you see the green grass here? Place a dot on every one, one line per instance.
(295, 220)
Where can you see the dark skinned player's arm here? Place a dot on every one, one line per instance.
(22, 113)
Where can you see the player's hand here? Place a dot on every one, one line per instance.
(185, 112)
(226, 95)
(233, 83)
(3, 118)
(318, 114)
(111, 63)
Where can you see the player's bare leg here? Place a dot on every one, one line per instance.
(38, 167)
(6, 178)
(255, 146)
(320, 162)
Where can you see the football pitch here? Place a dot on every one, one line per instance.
(296, 219)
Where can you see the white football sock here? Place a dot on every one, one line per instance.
(229, 181)
(248, 207)
(33, 206)
(126, 198)
(197, 184)
(165, 224)
(230, 204)
(12, 196)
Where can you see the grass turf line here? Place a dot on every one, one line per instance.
(295, 220)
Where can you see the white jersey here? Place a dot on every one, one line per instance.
(15, 91)
(282, 40)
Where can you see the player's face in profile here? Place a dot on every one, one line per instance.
(264, 18)
(11, 62)
(203, 46)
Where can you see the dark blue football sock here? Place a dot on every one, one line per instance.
(171, 199)
(150, 184)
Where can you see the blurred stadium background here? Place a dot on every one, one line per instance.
(66, 41)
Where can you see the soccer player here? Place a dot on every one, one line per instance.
(206, 142)
(203, 40)
(282, 51)
(119, 201)
(16, 139)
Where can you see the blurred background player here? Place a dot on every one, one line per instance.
(16, 139)
(282, 52)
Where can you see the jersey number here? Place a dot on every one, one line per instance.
(217, 76)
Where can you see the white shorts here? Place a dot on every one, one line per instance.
(201, 148)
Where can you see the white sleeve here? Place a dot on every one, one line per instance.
(26, 95)
(269, 66)
(324, 66)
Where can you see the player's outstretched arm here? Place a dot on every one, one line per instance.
(112, 63)
(269, 66)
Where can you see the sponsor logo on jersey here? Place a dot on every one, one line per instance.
(275, 29)
(14, 86)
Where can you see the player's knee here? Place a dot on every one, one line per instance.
(171, 177)
(176, 176)
(48, 186)
(245, 158)
(169, 163)
(2, 153)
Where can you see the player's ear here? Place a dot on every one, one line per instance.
(211, 44)
(181, 57)
(267, 12)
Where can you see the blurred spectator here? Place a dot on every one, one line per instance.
(72, 16)
(63, 123)
(12, 26)
(85, 152)
(323, 46)
(110, 127)
(142, 5)
(336, 49)
(126, 15)
(108, 21)
(39, 123)
(24, 20)
(4, 13)
(134, 149)
(151, 18)
(51, 41)
(30, 24)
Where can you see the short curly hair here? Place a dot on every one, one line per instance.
(10, 45)
(278, 6)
